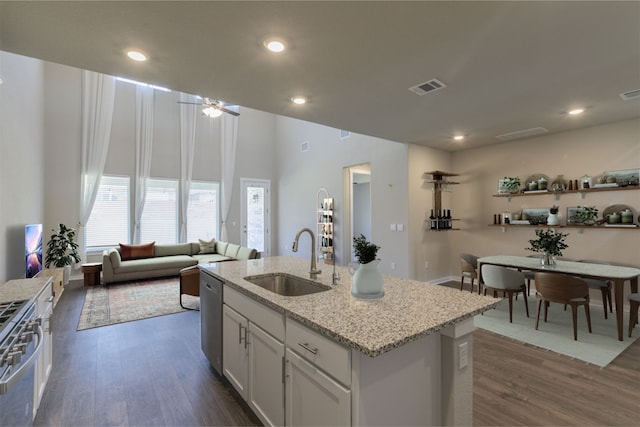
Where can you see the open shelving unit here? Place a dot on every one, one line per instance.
(325, 226)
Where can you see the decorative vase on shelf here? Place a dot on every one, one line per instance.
(366, 281)
(553, 219)
(547, 260)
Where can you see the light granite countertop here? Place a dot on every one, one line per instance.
(22, 289)
(409, 310)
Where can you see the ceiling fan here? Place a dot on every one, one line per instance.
(212, 107)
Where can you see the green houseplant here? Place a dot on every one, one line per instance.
(367, 282)
(550, 243)
(364, 250)
(587, 215)
(62, 250)
(512, 184)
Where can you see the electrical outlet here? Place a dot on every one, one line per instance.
(393, 265)
(463, 355)
(426, 265)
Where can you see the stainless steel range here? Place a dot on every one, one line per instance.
(20, 343)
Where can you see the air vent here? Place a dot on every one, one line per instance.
(426, 87)
(344, 134)
(522, 134)
(632, 94)
(304, 147)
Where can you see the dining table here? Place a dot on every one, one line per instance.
(618, 275)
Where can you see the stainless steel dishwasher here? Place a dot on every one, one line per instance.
(211, 318)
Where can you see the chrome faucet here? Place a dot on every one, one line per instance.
(313, 273)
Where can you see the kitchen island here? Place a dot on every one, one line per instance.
(404, 359)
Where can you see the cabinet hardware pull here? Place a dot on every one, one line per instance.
(246, 341)
(307, 347)
(239, 334)
(50, 299)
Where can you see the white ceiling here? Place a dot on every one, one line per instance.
(508, 66)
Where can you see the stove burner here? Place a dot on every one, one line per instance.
(8, 310)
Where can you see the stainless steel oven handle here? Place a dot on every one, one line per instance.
(5, 385)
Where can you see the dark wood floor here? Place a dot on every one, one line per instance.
(152, 372)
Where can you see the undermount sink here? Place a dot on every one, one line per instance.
(286, 285)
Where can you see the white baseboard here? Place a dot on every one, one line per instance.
(442, 280)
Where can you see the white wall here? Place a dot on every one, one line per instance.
(22, 161)
(426, 246)
(302, 174)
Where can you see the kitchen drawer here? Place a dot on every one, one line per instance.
(320, 350)
(269, 320)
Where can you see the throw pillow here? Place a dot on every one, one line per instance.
(207, 247)
(137, 251)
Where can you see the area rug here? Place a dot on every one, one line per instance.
(125, 302)
(599, 347)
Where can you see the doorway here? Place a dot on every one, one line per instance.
(255, 218)
(358, 195)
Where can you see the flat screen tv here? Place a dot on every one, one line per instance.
(33, 249)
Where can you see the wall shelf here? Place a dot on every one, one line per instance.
(557, 194)
(440, 182)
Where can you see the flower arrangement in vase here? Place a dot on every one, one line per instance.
(550, 243)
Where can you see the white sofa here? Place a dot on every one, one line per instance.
(167, 260)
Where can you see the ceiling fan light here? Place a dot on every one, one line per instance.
(458, 137)
(212, 112)
(576, 111)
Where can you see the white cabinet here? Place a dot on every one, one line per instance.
(313, 398)
(252, 356)
(318, 376)
(235, 354)
(266, 388)
(44, 311)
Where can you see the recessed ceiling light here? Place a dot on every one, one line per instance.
(137, 56)
(458, 137)
(299, 100)
(576, 111)
(275, 45)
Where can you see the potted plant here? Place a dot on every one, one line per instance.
(553, 219)
(550, 243)
(511, 184)
(587, 215)
(367, 282)
(62, 250)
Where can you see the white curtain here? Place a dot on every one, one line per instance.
(188, 114)
(228, 142)
(98, 96)
(144, 146)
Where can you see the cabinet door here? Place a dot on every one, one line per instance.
(235, 361)
(312, 398)
(266, 388)
(44, 311)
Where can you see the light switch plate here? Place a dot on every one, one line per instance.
(400, 227)
(392, 227)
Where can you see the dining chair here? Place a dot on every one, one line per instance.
(634, 305)
(563, 289)
(469, 268)
(528, 274)
(603, 285)
(506, 280)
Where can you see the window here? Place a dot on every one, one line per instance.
(203, 211)
(159, 220)
(108, 223)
